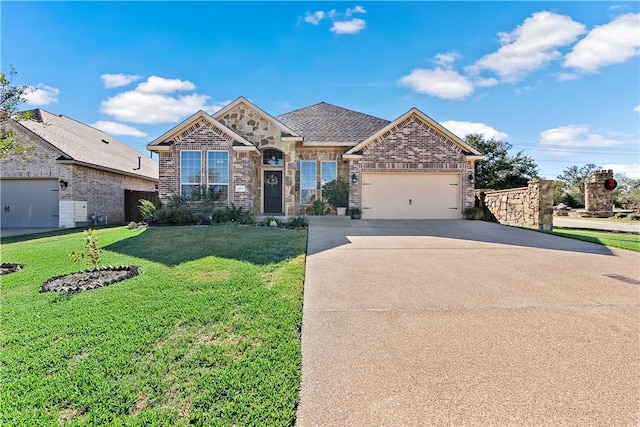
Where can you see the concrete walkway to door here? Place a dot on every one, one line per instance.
(413, 323)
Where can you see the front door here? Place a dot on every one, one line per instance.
(272, 184)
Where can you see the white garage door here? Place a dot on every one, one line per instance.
(410, 196)
(29, 203)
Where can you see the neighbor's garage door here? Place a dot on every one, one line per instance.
(410, 196)
(29, 203)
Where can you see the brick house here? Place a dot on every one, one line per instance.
(73, 172)
(411, 168)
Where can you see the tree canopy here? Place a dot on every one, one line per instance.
(501, 170)
(569, 186)
(11, 97)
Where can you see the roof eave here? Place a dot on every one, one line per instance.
(328, 144)
(106, 169)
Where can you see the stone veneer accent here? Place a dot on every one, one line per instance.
(99, 190)
(413, 146)
(596, 197)
(529, 207)
(319, 154)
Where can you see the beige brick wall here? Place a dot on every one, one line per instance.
(101, 190)
(414, 146)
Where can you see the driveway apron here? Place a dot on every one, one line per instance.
(414, 323)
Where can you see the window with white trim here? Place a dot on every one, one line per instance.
(328, 171)
(218, 174)
(308, 182)
(190, 171)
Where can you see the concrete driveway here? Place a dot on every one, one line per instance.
(413, 323)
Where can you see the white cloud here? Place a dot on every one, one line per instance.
(607, 44)
(637, 109)
(342, 23)
(629, 169)
(461, 129)
(314, 18)
(118, 80)
(441, 83)
(156, 84)
(351, 26)
(530, 46)
(447, 59)
(482, 82)
(565, 77)
(564, 140)
(114, 128)
(357, 9)
(151, 102)
(41, 95)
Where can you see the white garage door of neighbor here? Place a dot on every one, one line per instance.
(29, 203)
(410, 196)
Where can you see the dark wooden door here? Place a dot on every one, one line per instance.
(272, 192)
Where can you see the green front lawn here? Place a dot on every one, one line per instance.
(208, 334)
(614, 239)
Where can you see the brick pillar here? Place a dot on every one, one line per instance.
(596, 197)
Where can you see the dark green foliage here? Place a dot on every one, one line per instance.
(298, 222)
(501, 170)
(627, 194)
(336, 193)
(474, 213)
(569, 186)
(318, 207)
(147, 209)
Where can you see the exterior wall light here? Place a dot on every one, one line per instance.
(470, 179)
(63, 184)
(354, 178)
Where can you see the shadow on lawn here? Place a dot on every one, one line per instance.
(175, 245)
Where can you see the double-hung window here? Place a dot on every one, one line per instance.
(218, 174)
(328, 171)
(190, 171)
(308, 182)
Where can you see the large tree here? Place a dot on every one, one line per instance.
(501, 170)
(571, 185)
(627, 193)
(11, 97)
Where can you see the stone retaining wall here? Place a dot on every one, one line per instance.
(529, 207)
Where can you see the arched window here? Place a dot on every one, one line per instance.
(272, 158)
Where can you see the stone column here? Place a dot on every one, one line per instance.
(597, 199)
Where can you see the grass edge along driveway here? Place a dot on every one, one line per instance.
(208, 334)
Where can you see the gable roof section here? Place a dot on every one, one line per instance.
(88, 146)
(469, 152)
(218, 115)
(164, 141)
(327, 124)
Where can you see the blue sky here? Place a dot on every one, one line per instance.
(558, 80)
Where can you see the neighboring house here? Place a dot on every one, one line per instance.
(410, 168)
(74, 175)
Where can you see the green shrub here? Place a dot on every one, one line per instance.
(318, 207)
(620, 215)
(474, 213)
(336, 193)
(297, 222)
(147, 209)
(634, 217)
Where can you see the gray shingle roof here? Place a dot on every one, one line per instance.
(327, 123)
(89, 145)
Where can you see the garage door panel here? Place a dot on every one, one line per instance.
(411, 196)
(29, 203)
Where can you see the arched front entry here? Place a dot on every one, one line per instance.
(272, 182)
